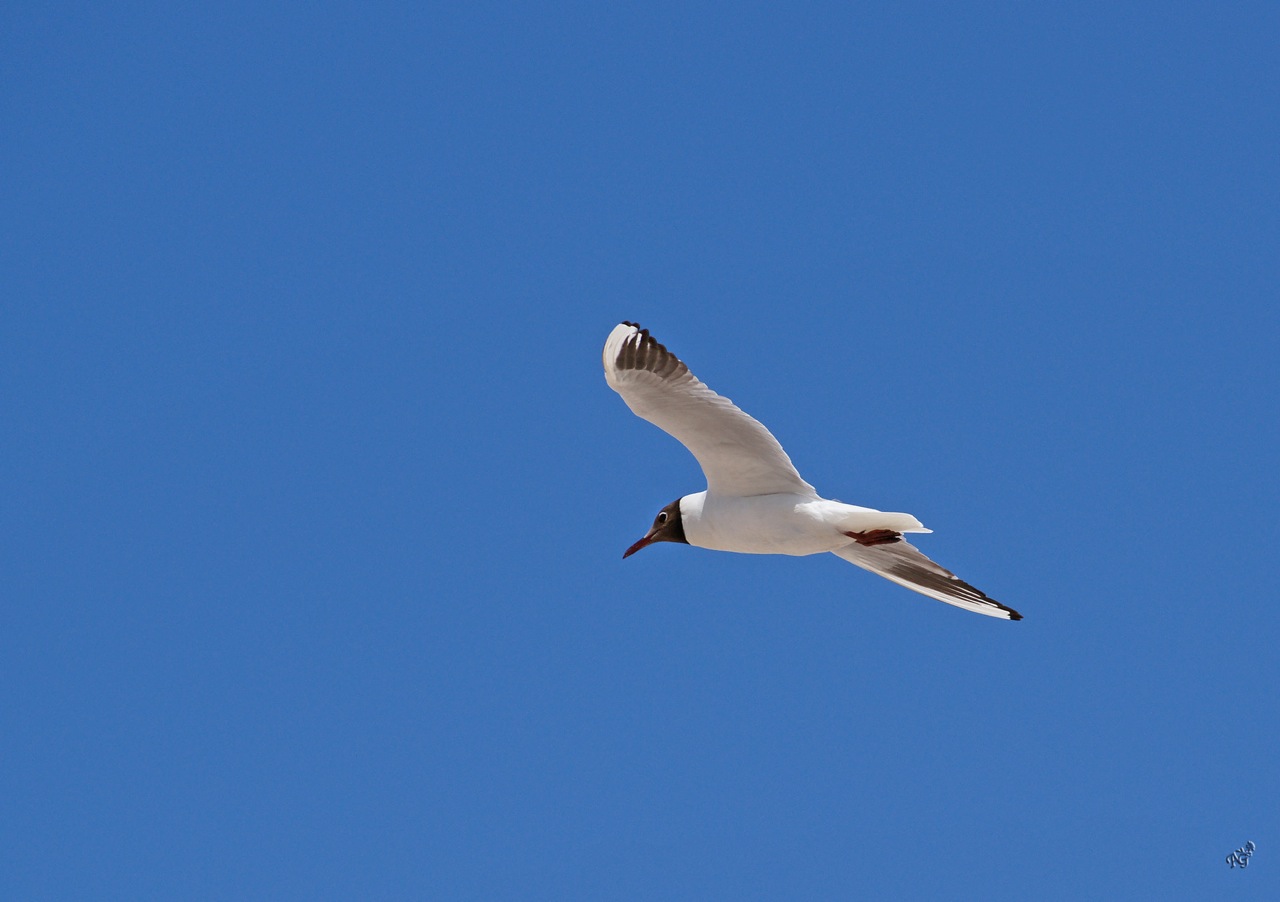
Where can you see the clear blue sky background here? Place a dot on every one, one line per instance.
(315, 497)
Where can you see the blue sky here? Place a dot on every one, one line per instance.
(315, 496)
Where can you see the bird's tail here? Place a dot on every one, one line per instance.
(862, 519)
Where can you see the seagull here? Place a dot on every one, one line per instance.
(756, 502)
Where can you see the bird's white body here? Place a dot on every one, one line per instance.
(781, 523)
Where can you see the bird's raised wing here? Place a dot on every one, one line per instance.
(903, 563)
(737, 454)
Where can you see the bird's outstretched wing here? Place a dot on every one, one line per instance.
(737, 454)
(903, 563)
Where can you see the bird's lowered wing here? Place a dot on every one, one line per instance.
(903, 563)
(737, 454)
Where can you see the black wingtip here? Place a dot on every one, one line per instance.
(1014, 615)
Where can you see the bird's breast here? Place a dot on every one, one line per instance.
(761, 524)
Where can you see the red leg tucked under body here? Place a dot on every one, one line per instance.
(875, 537)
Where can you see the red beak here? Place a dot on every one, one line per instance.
(647, 540)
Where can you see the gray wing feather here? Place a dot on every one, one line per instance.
(903, 563)
(737, 454)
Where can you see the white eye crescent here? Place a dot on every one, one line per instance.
(662, 517)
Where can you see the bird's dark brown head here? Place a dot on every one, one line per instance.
(667, 527)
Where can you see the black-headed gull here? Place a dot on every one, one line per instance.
(756, 502)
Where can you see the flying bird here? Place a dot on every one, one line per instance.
(756, 502)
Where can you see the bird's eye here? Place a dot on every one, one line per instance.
(662, 517)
